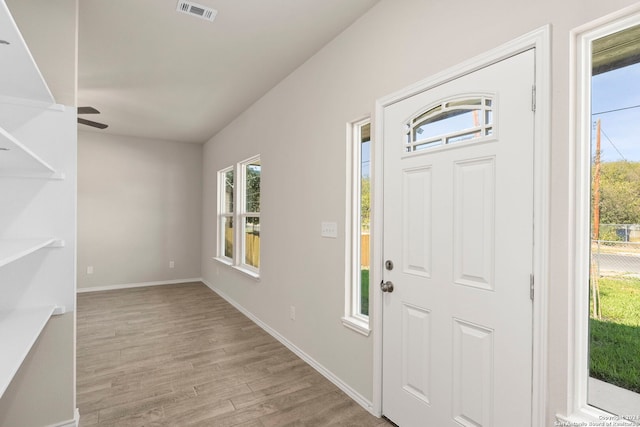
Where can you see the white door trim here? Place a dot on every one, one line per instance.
(578, 408)
(539, 39)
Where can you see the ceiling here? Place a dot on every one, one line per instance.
(156, 73)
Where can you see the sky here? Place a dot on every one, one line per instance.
(620, 129)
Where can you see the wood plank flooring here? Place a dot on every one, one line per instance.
(179, 355)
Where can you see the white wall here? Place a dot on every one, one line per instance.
(299, 129)
(139, 207)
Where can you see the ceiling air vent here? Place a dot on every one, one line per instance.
(197, 10)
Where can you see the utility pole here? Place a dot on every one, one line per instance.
(596, 187)
(595, 287)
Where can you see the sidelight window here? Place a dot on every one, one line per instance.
(607, 288)
(225, 246)
(358, 226)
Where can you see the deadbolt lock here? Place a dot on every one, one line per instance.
(388, 264)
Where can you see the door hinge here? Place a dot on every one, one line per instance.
(533, 98)
(531, 286)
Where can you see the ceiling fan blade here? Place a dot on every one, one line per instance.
(92, 124)
(87, 110)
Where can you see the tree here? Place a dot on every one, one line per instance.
(253, 191)
(365, 202)
(253, 188)
(620, 193)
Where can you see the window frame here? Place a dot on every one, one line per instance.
(486, 129)
(579, 409)
(238, 215)
(353, 317)
(242, 216)
(223, 215)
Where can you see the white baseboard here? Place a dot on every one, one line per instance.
(70, 423)
(137, 285)
(353, 394)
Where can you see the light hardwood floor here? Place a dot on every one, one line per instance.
(179, 355)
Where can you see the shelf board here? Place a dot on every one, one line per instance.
(22, 79)
(14, 249)
(18, 160)
(19, 330)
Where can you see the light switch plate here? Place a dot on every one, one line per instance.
(329, 229)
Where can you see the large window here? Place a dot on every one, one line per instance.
(239, 215)
(358, 237)
(614, 325)
(607, 376)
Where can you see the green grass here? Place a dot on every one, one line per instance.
(620, 300)
(364, 291)
(615, 340)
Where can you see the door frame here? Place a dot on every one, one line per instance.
(540, 40)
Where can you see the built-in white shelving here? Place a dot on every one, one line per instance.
(18, 160)
(14, 249)
(23, 92)
(19, 330)
(20, 77)
(32, 127)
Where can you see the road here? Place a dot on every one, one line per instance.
(622, 263)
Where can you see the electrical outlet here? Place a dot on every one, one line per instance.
(329, 229)
(172, 264)
(292, 312)
(90, 269)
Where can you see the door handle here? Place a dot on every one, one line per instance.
(386, 286)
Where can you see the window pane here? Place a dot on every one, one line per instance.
(614, 285)
(445, 123)
(228, 192)
(227, 226)
(463, 137)
(426, 145)
(365, 215)
(450, 122)
(365, 133)
(428, 113)
(253, 186)
(252, 241)
(364, 292)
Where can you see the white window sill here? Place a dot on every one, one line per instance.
(251, 273)
(357, 325)
(225, 261)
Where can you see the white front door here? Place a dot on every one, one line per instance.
(458, 228)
